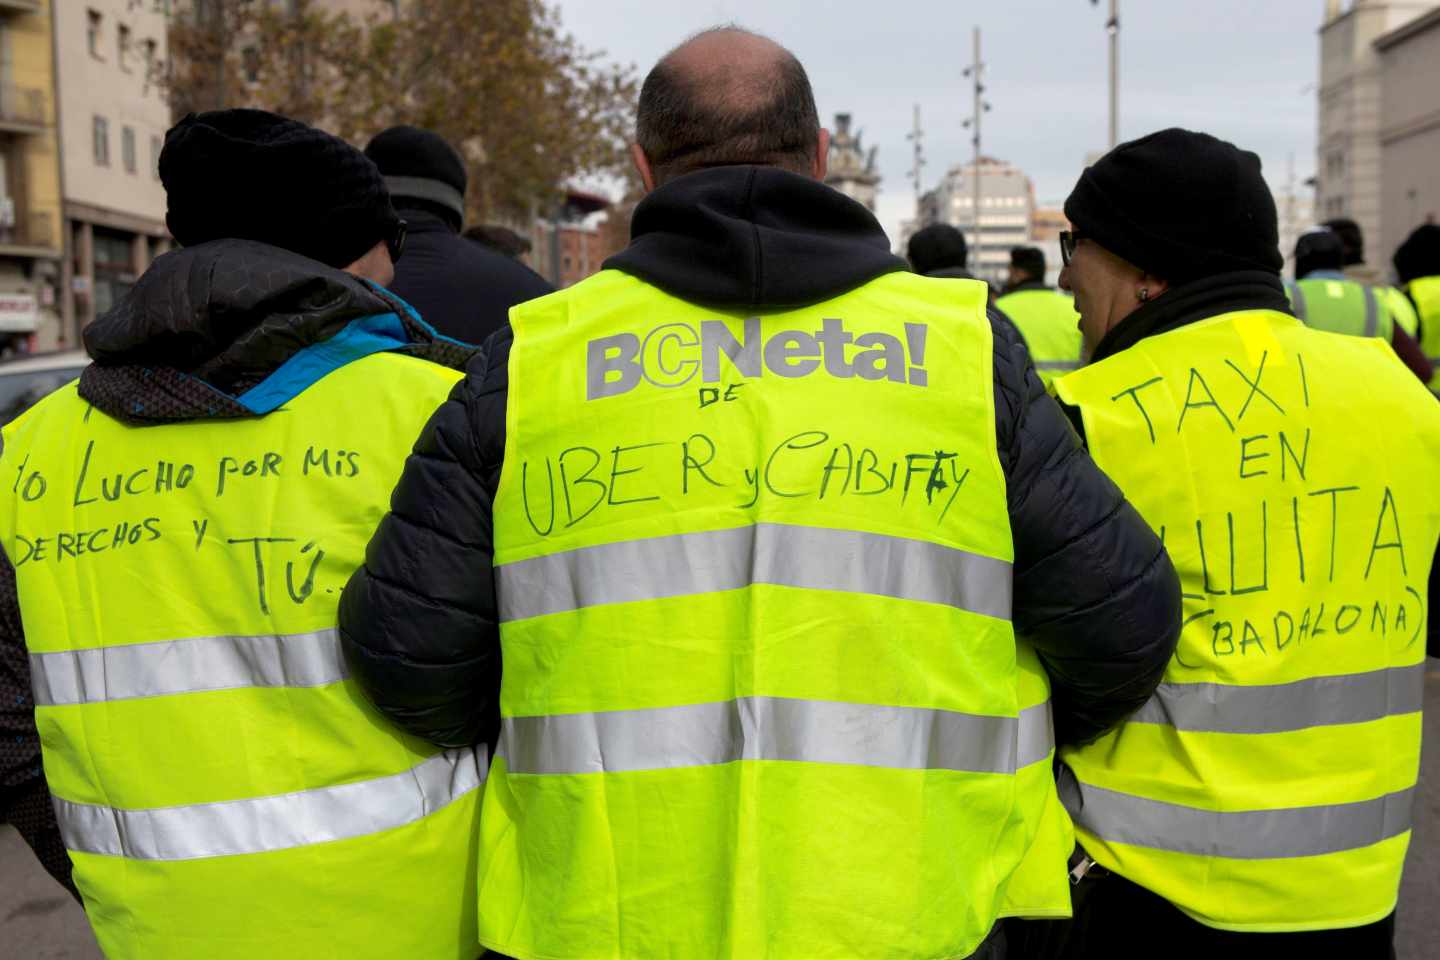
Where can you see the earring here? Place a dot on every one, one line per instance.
(1144, 294)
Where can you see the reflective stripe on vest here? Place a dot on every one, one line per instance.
(759, 665)
(202, 737)
(262, 824)
(1272, 834)
(1298, 303)
(98, 674)
(1299, 705)
(773, 728)
(1280, 752)
(781, 554)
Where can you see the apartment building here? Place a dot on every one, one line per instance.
(1348, 165)
(30, 243)
(113, 115)
(1409, 130)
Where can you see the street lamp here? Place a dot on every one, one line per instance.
(1112, 27)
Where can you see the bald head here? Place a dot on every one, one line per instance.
(728, 96)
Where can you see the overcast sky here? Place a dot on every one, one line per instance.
(1240, 69)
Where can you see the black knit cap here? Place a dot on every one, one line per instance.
(1029, 259)
(421, 165)
(1419, 255)
(253, 175)
(1179, 205)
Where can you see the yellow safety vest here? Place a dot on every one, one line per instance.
(1402, 311)
(1342, 306)
(1267, 786)
(1425, 291)
(223, 789)
(1048, 321)
(762, 696)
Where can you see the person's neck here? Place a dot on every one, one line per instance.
(1196, 300)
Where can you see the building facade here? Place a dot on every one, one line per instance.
(1409, 130)
(113, 116)
(849, 168)
(574, 243)
(1007, 202)
(1348, 161)
(30, 244)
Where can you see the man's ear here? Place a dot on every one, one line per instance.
(822, 154)
(1154, 284)
(642, 166)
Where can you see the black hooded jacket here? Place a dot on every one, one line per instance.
(201, 327)
(460, 288)
(1093, 588)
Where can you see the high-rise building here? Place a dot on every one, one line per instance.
(29, 177)
(850, 169)
(113, 116)
(1007, 200)
(1348, 164)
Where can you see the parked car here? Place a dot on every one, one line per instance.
(25, 381)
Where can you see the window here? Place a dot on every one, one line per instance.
(93, 24)
(156, 145)
(127, 149)
(251, 59)
(148, 46)
(102, 141)
(124, 47)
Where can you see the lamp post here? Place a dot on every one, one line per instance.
(1112, 27)
(975, 71)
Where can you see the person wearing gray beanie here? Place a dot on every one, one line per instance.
(1249, 808)
(462, 289)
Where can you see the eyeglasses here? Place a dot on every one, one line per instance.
(1068, 240)
(395, 243)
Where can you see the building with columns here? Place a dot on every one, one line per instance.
(1409, 131)
(112, 118)
(1348, 162)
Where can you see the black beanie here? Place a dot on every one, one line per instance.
(1179, 205)
(937, 247)
(1029, 259)
(1419, 255)
(421, 165)
(253, 175)
(1320, 249)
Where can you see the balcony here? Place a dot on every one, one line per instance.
(22, 109)
(30, 235)
(19, 6)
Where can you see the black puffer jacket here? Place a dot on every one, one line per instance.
(1094, 590)
(460, 288)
